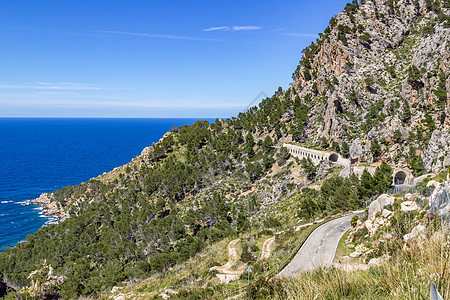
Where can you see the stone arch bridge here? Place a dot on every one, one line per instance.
(316, 156)
(400, 176)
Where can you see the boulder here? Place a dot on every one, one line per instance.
(417, 231)
(355, 254)
(433, 183)
(370, 226)
(444, 211)
(378, 260)
(359, 250)
(374, 261)
(379, 204)
(409, 206)
(386, 213)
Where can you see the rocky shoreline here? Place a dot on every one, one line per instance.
(50, 208)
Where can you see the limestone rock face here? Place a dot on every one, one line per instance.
(356, 149)
(435, 151)
(355, 74)
(379, 204)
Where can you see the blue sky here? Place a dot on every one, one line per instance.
(150, 58)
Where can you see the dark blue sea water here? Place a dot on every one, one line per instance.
(42, 155)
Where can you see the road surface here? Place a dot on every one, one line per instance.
(319, 249)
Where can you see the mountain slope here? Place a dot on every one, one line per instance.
(377, 80)
(380, 72)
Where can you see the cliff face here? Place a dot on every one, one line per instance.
(373, 58)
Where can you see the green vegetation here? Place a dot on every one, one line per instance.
(441, 91)
(166, 216)
(139, 223)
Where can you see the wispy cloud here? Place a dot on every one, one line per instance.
(308, 35)
(233, 28)
(219, 28)
(52, 86)
(157, 35)
(279, 29)
(245, 28)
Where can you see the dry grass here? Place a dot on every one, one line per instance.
(408, 275)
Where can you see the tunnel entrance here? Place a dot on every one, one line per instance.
(333, 157)
(400, 178)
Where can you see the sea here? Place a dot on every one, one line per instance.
(40, 155)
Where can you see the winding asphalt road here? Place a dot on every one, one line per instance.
(319, 248)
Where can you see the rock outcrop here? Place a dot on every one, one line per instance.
(437, 150)
(50, 207)
(416, 232)
(379, 204)
(408, 206)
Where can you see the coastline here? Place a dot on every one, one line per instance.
(50, 208)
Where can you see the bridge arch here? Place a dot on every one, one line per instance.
(333, 157)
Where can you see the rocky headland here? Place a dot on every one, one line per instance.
(50, 207)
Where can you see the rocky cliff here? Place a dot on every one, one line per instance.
(380, 72)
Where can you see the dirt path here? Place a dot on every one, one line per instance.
(266, 251)
(232, 259)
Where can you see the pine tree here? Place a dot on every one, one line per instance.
(375, 148)
(406, 114)
(345, 150)
(366, 187)
(249, 143)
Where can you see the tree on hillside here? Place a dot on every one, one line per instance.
(267, 145)
(383, 178)
(309, 167)
(249, 144)
(366, 187)
(375, 148)
(406, 113)
(345, 150)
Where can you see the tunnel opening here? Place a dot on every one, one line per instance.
(400, 178)
(333, 157)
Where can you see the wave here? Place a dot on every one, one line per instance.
(6, 201)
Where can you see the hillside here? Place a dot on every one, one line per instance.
(374, 88)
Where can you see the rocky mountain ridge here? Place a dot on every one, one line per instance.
(380, 72)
